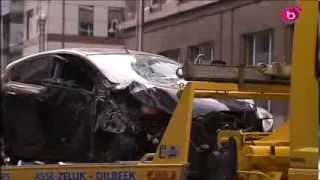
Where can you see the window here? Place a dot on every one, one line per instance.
(173, 54)
(75, 72)
(32, 71)
(28, 23)
(86, 20)
(204, 52)
(152, 68)
(116, 16)
(258, 48)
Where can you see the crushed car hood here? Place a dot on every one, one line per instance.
(165, 98)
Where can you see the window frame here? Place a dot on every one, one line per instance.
(210, 44)
(89, 32)
(24, 62)
(29, 17)
(74, 59)
(110, 20)
(253, 61)
(254, 35)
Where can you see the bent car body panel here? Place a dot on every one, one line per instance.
(74, 124)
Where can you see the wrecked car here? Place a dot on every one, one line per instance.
(104, 105)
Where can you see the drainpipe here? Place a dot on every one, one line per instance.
(63, 21)
(140, 22)
(42, 30)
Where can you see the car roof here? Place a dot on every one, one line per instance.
(83, 52)
(95, 51)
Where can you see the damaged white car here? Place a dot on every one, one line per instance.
(104, 105)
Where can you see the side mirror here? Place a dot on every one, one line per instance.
(179, 72)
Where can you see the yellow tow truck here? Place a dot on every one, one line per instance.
(291, 152)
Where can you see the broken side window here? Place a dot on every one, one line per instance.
(33, 71)
(77, 73)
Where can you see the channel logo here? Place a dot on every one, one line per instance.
(291, 14)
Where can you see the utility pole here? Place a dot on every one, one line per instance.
(63, 21)
(140, 22)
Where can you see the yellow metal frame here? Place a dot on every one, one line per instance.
(291, 152)
(178, 131)
(304, 96)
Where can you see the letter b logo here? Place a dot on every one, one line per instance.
(289, 15)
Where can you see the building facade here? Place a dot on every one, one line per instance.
(224, 30)
(235, 32)
(36, 26)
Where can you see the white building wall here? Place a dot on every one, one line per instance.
(53, 45)
(16, 34)
(100, 18)
(54, 17)
(52, 11)
(30, 50)
(4, 61)
(57, 45)
(5, 7)
(33, 31)
(72, 19)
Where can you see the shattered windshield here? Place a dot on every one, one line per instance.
(155, 68)
(123, 68)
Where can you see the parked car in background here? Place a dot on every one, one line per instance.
(104, 105)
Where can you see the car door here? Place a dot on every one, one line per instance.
(47, 110)
(70, 110)
(22, 95)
